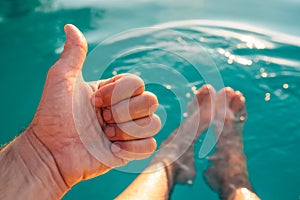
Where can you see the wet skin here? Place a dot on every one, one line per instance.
(228, 175)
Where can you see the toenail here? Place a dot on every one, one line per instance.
(228, 89)
(208, 85)
(205, 89)
(238, 92)
(242, 98)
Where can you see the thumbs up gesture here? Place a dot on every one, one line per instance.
(89, 128)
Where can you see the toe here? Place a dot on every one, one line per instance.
(229, 94)
(204, 91)
(224, 98)
(237, 102)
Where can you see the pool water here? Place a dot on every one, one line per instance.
(227, 39)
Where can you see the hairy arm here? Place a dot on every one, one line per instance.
(28, 170)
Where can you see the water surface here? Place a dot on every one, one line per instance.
(263, 63)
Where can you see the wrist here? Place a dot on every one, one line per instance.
(30, 169)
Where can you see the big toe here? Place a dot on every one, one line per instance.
(205, 95)
(224, 98)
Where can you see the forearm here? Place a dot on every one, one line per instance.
(152, 183)
(28, 171)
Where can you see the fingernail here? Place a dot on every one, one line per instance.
(115, 148)
(110, 131)
(107, 115)
(98, 101)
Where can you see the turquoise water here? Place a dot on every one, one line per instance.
(263, 63)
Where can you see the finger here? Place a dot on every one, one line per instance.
(117, 89)
(131, 109)
(137, 129)
(110, 80)
(74, 52)
(134, 149)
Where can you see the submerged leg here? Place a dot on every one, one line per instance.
(228, 175)
(174, 162)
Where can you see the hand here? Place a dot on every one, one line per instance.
(72, 115)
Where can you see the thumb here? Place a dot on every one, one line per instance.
(75, 49)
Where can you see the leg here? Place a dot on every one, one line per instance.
(229, 176)
(174, 163)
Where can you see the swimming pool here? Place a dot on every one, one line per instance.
(261, 62)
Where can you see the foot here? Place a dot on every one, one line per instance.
(178, 149)
(229, 170)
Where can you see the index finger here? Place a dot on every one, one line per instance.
(122, 88)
